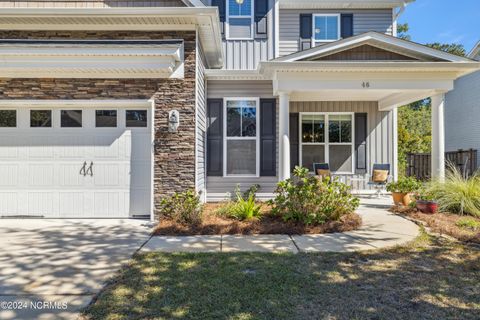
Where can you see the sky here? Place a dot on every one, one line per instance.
(444, 21)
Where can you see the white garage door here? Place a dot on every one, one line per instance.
(75, 162)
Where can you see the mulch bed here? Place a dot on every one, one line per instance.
(443, 223)
(217, 225)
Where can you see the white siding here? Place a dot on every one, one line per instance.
(363, 21)
(462, 114)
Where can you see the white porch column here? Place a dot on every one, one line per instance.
(284, 138)
(438, 137)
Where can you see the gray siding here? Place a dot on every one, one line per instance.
(379, 141)
(462, 114)
(89, 3)
(201, 128)
(363, 21)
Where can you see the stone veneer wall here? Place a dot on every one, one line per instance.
(174, 153)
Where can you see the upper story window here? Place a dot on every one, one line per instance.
(240, 19)
(326, 28)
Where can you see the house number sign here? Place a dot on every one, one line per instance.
(366, 84)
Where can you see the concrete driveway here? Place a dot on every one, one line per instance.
(50, 269)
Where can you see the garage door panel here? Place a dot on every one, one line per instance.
(8, 175)
(41, 203)
(111, 204)
(70, 175)
(107, 147)
(72, 204)
(41, 175)
(9, 203)
(138, 177)
(140, 149)
(73, 147)
(41, 147)
(107, 174)
(9, 146)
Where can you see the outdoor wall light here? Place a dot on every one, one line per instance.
(240, 2)
(173, 121)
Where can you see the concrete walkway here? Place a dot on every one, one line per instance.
(380, 229)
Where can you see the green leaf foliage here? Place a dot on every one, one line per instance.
(182, 207)
(404, 185)
(310, 200)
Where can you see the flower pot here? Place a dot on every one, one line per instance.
(402, 199)
(430, 207)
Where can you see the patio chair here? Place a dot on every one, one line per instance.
(380, 178)
(322, 170)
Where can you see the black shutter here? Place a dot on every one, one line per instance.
(294, 141)
(361, 140)
(215, 137)
(347, 25)
(305, 26)
(221, 4)
(261, 10)
(268, 132)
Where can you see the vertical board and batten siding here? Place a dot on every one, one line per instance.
(201, 126)
(363, 21)
(461, 128)
(89, 3)
(218, 187)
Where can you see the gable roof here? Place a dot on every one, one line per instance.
(475, 53)
(379, 40)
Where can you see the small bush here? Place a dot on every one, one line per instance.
(404, 185)
(310, 200)
(245, 207)
(457, 194)
(183, 207)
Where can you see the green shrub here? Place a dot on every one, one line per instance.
(183, 207)
(457, 194)
(404, 185)
(245, 206)
(310, 200)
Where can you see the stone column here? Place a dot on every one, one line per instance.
(284, 139)
(438, 137)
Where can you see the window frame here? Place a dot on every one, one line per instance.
(126, 120)
(256, 138)
(251, 17)
(16, 118)
(71, 109)
(117, 118)
(339, 28)
(327, 142)
(52, 114)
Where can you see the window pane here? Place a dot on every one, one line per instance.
(106, 118)
(320, 28)
(40, 118)
(234, 122)
(334, 130)
(136, 118)
(346, 131)
(341, 158)
(312, 154)
(307, 128)
(241, 157)
(244, 9)
(319, 129)
(332, 28)
(8, 118)
(249, 122)
(240, 28)
(71, 118)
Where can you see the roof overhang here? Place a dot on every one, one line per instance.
(346, 4)
(475, 53)
(390, 83)
(203, 19)
(91, 59)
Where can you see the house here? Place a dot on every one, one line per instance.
(108, 106)
(461, 107)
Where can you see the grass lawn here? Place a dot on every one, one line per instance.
(430, 279)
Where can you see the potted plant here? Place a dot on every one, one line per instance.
(402, 190)
(425, 203)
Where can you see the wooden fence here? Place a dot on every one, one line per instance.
(419, 164)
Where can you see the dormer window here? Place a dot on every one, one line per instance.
(326, 28)
(240, 19)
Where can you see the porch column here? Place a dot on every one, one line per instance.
(284, 139)
(438, 137)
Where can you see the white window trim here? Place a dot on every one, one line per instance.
(251, 17)
(327, 139)
(314, 42)
(256, 138)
